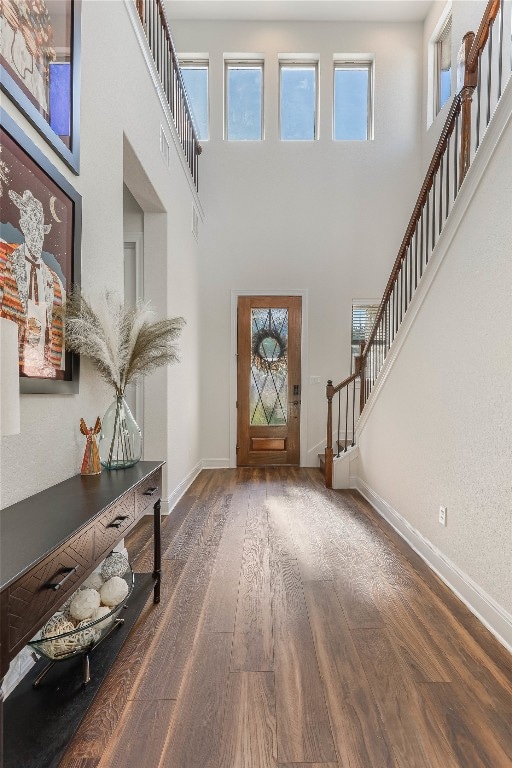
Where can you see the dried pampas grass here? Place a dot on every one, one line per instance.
(124, 344)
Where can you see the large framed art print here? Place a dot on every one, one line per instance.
(40, 233)
(40, 68)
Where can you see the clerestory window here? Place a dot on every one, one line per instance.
(244, 100)
(443, 66)
(298, 101)
(195, 77)
(353, 108)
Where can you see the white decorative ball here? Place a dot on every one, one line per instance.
(114, 591)
(84, 604)
(94, 581)
(102, 611)
(116, 564)
(65, 606)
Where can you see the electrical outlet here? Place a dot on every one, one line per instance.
(442, 515)
(314, 379)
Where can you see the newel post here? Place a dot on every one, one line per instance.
(329, 391)
(466, 84)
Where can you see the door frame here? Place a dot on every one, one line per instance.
(235, 293)
(136, 239)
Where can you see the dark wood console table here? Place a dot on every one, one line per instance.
(52, 541)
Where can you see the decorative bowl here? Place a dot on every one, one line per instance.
(85, 636)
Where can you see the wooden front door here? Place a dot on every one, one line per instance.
(268, 396)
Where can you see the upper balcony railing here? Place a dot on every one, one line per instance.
(485, 66)
(156, 27)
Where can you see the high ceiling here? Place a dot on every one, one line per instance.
(300, 10)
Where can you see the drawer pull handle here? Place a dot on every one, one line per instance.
(68, 572)
(116, 522)
(150, 491)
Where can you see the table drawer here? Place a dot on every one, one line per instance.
(110, 525)
(148, 492)
(44, 588)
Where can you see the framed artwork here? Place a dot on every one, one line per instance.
(40, 233)
(40, 68)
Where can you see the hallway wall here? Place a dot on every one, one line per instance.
(118, 104)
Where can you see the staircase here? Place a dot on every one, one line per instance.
(484, 69)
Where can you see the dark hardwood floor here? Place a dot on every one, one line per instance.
(296, 630)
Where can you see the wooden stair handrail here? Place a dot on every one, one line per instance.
(416, 214)
(342, 384)
(490, 13)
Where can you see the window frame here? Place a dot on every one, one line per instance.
(367, 63)
(199, 63)
(243, 63)
(359, 305)
(445, 30)
(301, 64)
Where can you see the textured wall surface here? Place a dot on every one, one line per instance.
(439, 431)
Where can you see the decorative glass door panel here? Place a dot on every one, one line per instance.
(268, 380)
(268, 397)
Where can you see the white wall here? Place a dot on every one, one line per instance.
(439, 430)
(323, 216)
(118, 99)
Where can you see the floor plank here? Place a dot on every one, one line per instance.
(303, 728)
(311, 546)
(253, 645)
(194, 739)
(249, 732)
(221, 601)
(460, 722)
(356, 725)
(162, 677)
(414, 744)
(142, 731)
(308, 765)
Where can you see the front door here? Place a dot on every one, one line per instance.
(268, 396)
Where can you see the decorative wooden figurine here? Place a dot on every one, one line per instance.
(91, 461)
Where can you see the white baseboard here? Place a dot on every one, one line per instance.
(215, 464)
(167, 505)
(484, 607)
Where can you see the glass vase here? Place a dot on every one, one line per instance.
(120, 438)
